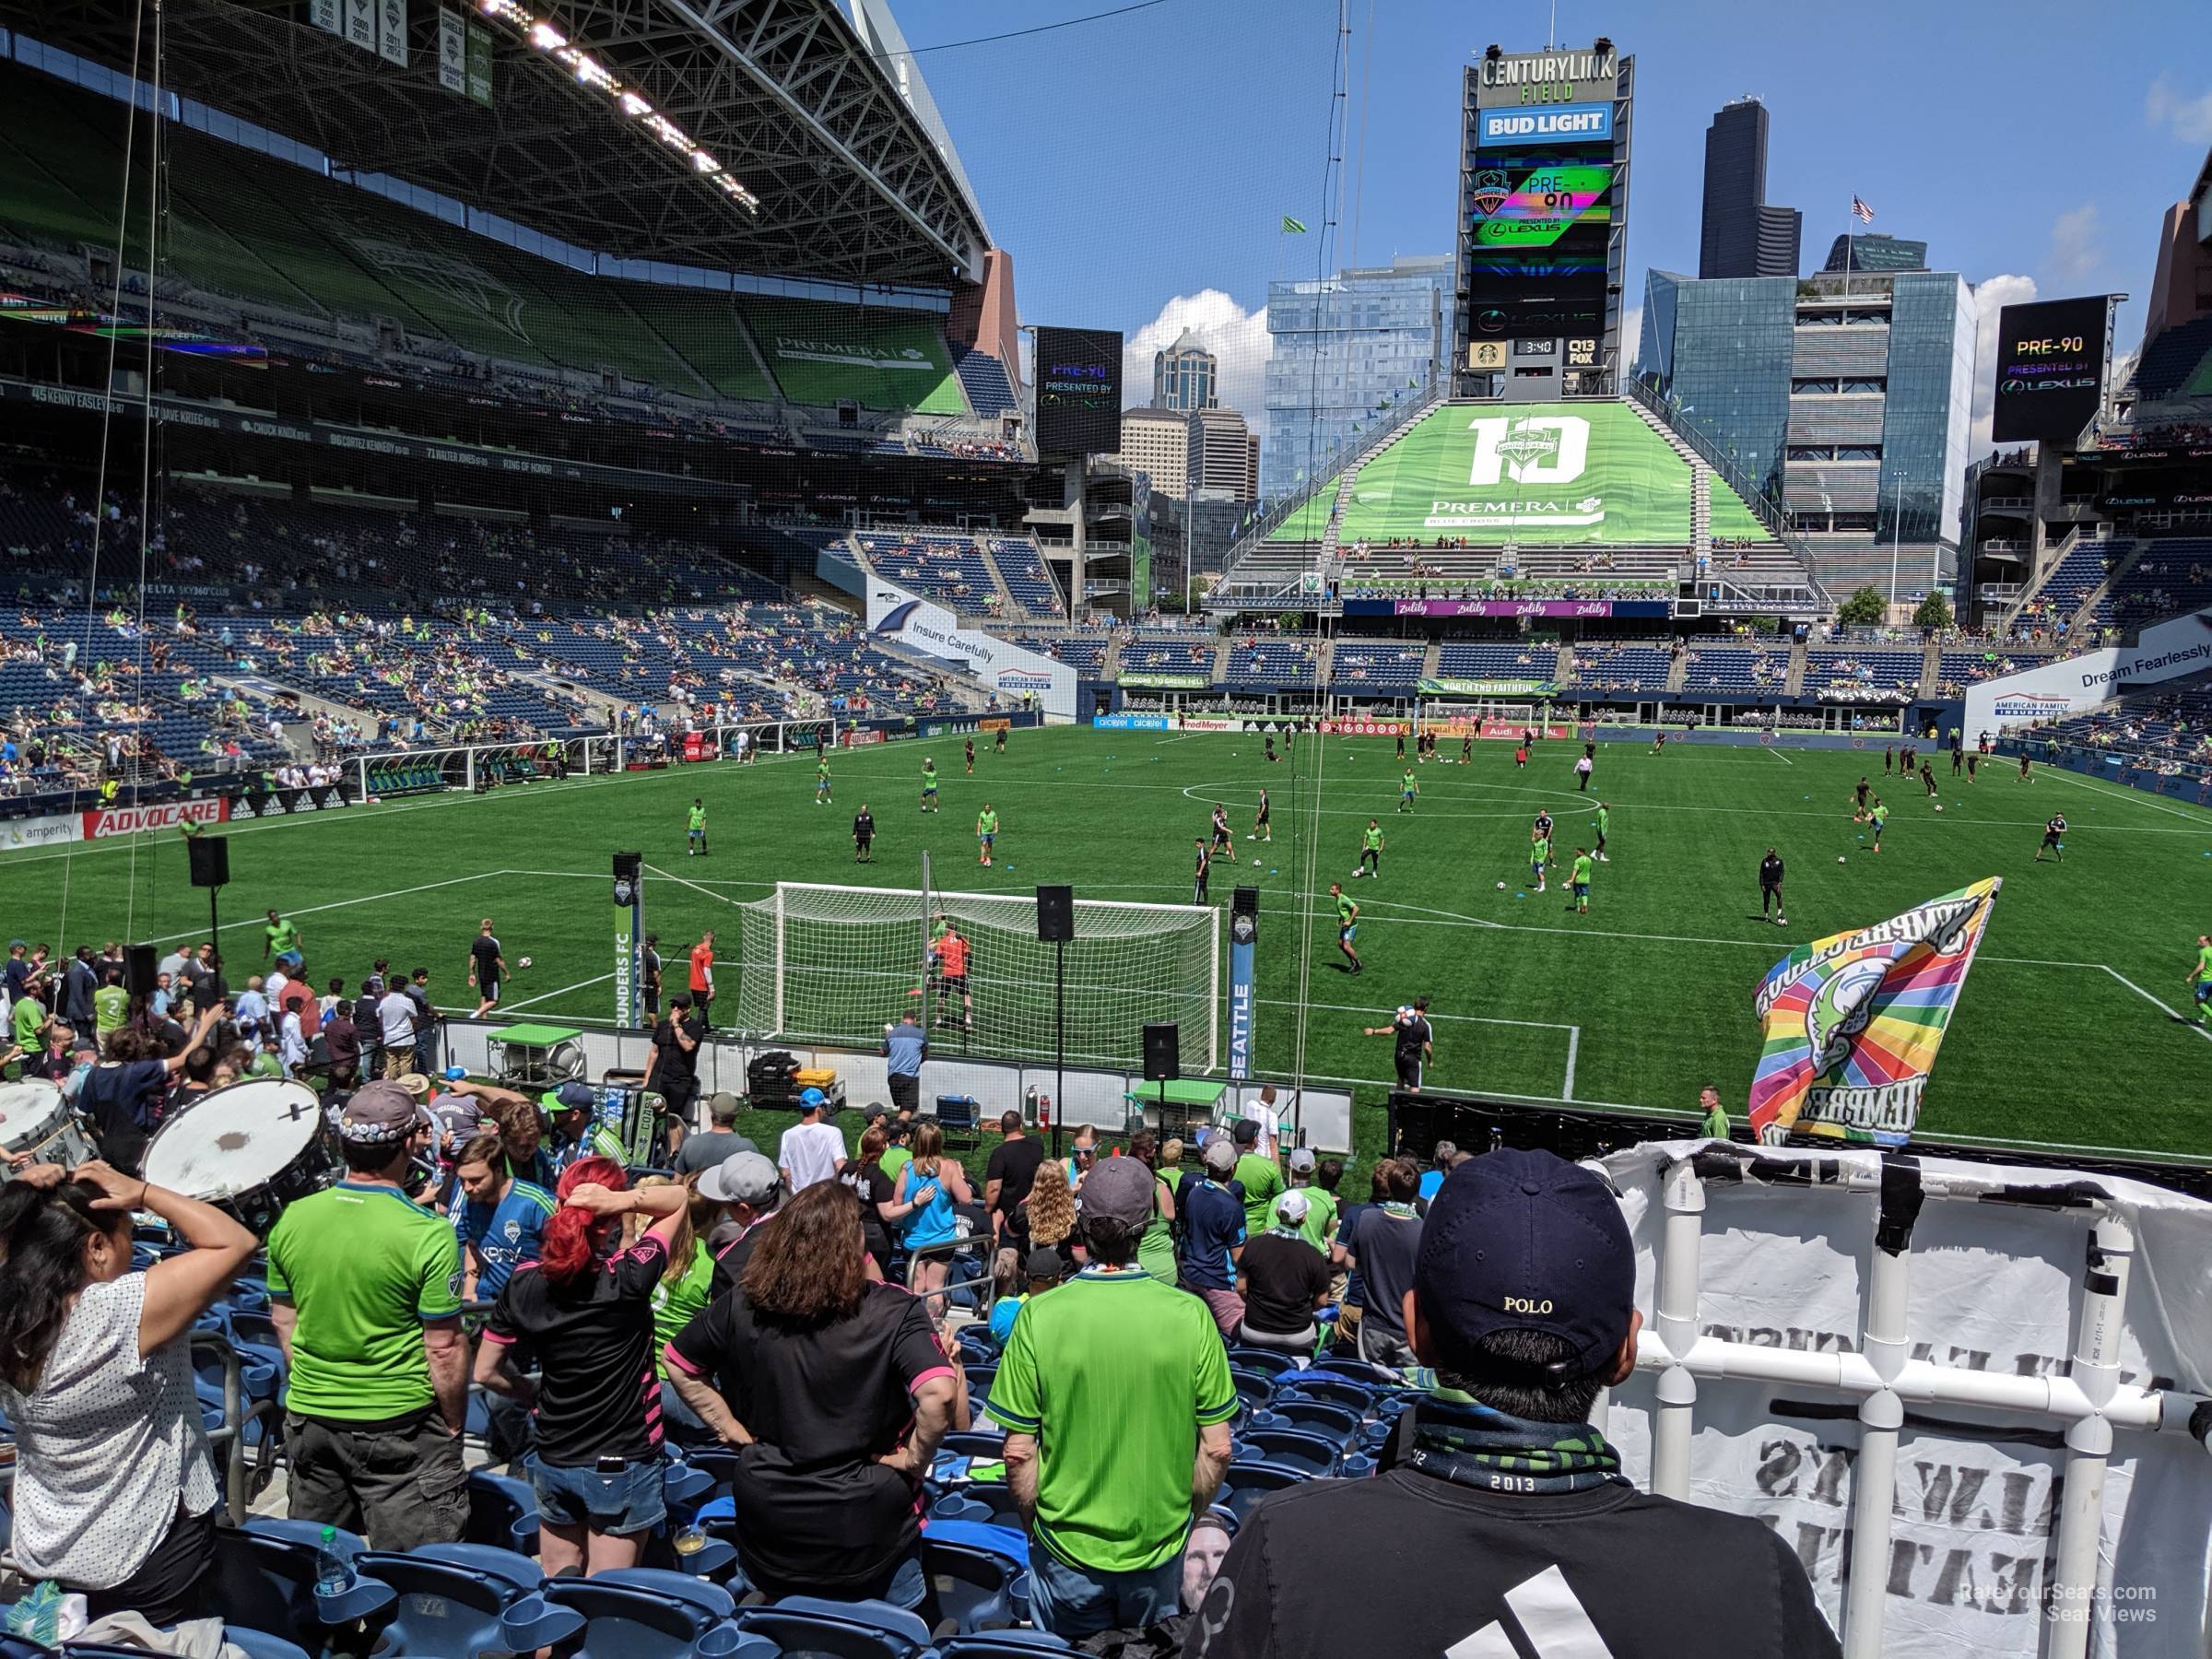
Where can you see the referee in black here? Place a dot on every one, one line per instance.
(1205, 862)
(1770, 885)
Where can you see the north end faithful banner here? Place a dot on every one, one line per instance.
(1851, 1023)
(1977, 1495)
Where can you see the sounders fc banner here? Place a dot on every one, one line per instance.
(1851, 1023)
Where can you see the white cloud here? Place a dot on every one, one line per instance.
(1993, 295)
(2076, 243)
(1237, 337)
(2188, 118)
(1632, 338)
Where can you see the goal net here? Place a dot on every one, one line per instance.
(836, 964)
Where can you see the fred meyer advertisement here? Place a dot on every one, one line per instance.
(1013, 672)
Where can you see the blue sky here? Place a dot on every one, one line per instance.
(1130, 162)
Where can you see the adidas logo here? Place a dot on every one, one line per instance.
(1546, 1619)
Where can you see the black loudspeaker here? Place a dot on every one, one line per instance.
(1162, 1052)
(138, 969)
(210, 856)
(1055, 914)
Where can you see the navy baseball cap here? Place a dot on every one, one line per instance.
(1520, 1241)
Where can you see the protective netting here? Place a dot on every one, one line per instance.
(837, 964)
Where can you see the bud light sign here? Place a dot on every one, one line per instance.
(1558, 123)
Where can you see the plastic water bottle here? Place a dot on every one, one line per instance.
(334, 1564)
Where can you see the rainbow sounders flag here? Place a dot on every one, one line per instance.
(1852, 1022)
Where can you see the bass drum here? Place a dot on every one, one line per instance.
(35, 1117)
(251, 1149)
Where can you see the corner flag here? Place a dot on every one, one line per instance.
(1852, 1022)
(1295, 226)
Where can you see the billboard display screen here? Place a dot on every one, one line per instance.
(1078, 375)
(1538, 226)
(1577, 124)
(2050, 369)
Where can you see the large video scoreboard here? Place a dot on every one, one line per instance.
(2052, 357)
(1543, 220)
(1078, 375)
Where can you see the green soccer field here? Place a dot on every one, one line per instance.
(2068, 1031)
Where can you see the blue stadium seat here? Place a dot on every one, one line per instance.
(974, 1580)
(636, 1613)
(988, 1503)
(450, 1596)
(1317, 1417)
(1247, 1483)
(502, 1513)
(1273, 1361)
(832, 1629)
(264, 1579)
(1291, 1448)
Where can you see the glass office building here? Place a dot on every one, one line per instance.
(1847, 401)
(1338, 348)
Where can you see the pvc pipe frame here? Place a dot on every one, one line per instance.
(2091, 1401)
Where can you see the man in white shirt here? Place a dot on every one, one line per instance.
(811, 1150)
(291, 1042)
(395, 1014)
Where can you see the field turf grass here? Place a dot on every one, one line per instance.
(2068, 1031)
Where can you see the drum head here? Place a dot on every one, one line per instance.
(28, 1109)
(236, 1139)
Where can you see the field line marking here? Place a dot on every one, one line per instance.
(2155, 1003)
(549, 995)
(694, 885)
(309, 910)
(2121, 793)
(1575, 1045)
(1779, 756)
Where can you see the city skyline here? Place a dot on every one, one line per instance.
(1203, 242)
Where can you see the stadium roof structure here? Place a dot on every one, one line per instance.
(828, 127)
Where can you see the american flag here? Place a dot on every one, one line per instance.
(1860, 211)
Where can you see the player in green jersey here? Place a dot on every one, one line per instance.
(1877, 815)
(929, 785)
(1601, 824)
(821, 781)
(986, 833)
(1582, 882)
(2201, 977)
(1371, 851)
(696, 836)
(1407, 789)
(1539, 854)
(1348, 924)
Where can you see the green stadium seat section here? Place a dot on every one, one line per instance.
(1590, 474)
(824, 353)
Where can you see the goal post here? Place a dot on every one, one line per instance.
(829, 964)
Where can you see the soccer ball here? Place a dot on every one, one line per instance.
(1939, 808)
(524, 963)
(1839, 858)
(1501, 886)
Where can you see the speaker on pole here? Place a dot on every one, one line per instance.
(138, 969)
(210, 856)
(1055, 914)
(1162, 1052)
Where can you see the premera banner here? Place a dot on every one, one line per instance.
(105, 821)
(1994, 1288)
(1523, 473)
(1014, 672)
(2167, 652)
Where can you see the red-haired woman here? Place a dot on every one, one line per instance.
(836, 1391)
(583, 1312)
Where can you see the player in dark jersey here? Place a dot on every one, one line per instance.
(1199, 872)
(2024, 777)
(968, 754)
(2053, 839)
(863, 835)
(1858, 814)
(1224, 841)
(999, 744)
(1261, 828)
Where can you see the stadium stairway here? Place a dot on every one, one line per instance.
(1677, 672)
(1793, 684)
(1432, 660)
(2098, 605)
(1700, 511)
(1929, 657)
(1562, 667)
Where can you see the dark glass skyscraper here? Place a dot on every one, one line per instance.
(1740, 235)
